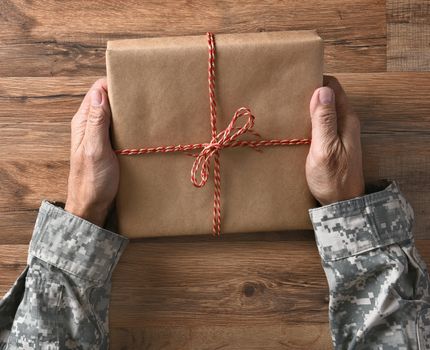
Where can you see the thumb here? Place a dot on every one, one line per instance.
(98, 121)
(323, 116)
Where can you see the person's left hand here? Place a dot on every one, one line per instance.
(94, 169)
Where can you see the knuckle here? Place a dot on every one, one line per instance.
(92, 152)
(325, 115)
(328, 157)
(97, 116)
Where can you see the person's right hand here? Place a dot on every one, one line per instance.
(334, 164)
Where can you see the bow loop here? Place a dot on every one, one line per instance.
(226, 134)
(223, 139)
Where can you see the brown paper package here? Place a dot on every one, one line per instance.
(158, 91)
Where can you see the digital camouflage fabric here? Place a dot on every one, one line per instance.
(61, 300)
(379, 286)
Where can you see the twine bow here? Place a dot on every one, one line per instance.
(226, 138)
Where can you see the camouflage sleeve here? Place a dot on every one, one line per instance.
(379, 286)
(61, 300)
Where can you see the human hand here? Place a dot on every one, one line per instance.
(94, 169)
(334, 169)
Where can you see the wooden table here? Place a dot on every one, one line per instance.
(256, 291)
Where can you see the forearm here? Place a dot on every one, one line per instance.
(67, 285)
(379, 286)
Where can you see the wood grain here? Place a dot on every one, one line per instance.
(37, 111)
(51, 38)
(273, 337)
(265, 283)
(390, 103)
(408, 35)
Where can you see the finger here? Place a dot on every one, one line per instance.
(323, 117)
(79, 121)
(342, 103)
(348, 121)
(98, 121)
(85, 105)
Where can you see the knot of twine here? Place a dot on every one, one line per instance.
(222, 140)
(226, 138)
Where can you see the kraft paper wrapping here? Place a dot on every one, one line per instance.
(158, 92)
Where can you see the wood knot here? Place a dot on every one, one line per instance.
(249, 289)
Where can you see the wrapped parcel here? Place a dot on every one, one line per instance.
(158, 91)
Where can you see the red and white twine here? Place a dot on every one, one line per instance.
(226, 138)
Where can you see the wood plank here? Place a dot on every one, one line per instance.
(408, 35)
(26, 183)
(234, 283)
(215, 294)
(273, 337)
(390, 103)
(37, 111)
(16, 225)
(48, 38)
(36, 114)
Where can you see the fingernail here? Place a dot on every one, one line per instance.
(325, 95)
(96, 98)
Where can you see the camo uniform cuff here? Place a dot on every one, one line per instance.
(75, 245)
(364, 223)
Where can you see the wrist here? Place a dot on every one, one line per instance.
(92, 213)
(340, 196)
